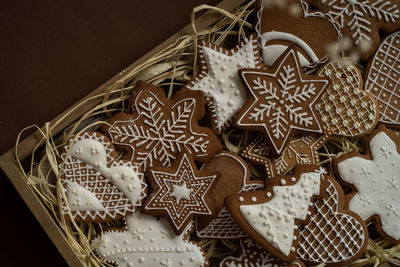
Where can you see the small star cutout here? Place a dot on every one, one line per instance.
(179, 192)
(282, 100)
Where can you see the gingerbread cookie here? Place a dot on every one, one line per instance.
(281, 101)
(375, 180)
(179, 192)
(235, 177)
(160, 128)
(97, 186)
(272, 216)
(280, 27)
(148, 241)
(362, 20)
(252, 254)
(345, 108)
(219, 81)
(301, 150)
(382, 79)
(334, 236)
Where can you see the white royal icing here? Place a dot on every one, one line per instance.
(221, 83)
(92, 152)
(270, 53)
(275, 220)
(79, 198)
(149, 241)
(377, 182)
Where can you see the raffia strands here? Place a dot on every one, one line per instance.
(171, 68)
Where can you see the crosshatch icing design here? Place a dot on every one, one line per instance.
(383, 79)
(345, 108)
(97, 186)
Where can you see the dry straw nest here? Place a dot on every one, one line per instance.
(171, 68)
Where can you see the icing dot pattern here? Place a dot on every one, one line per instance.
(345, 108)
(180, 208)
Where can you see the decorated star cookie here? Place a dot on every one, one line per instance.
(281, 101)
(179, 192)
(375, 180)
(272, 216)
(252, 254)
(382, 79)
(279, 27)
(97, 186)
(301, 150)
(334, 236)
(148, 241)
(160, 128)
(235, 177)
(219, 81)
(362, 20)
(345, 108)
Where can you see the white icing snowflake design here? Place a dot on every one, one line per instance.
(219, 81)
(377, 181)
(357, 15)
(148, 241)
(284, 100)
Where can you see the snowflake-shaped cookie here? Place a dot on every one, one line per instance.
(180, 192)
(375, 178)
(160, 128)
(219, 81)
(362, 19)
(281, 101)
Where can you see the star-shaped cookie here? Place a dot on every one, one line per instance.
(282, 100)
(179, 192)
(219, 81)
(375, 179)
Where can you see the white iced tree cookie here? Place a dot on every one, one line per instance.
(148, 241)
(272, 216)
(219, 81)
(375, 178)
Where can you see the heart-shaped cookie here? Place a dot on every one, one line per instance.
(333, 236)
(345, 108)
(234, 178)
(97, 187)
(382, 79)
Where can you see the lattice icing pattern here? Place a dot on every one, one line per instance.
(383, 79)
(345, 108)
(148, 241)
(331, 236)
(98, 187)
(224, 226)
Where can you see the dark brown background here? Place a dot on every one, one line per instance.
(52, 53)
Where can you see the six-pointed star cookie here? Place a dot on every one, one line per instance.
(180, 192)
(219, 81)
(281, 101)
(375, 179)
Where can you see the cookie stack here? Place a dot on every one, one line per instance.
(167, 172)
